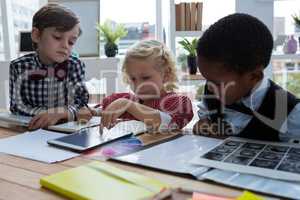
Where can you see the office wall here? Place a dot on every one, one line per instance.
(88, 12)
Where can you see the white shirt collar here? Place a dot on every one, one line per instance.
(254, 100)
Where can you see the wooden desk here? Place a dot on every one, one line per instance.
(19, 177)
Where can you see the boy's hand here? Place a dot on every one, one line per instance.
(51, 117)
(84, 115)
(45, 119)
(114, 111)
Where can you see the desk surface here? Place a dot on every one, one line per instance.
(19, 177)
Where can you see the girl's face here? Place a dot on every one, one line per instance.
(55, 46)
(145, 80)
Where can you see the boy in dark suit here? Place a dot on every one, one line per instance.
(238, 99)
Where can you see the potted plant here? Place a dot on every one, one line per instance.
(296, 19)
(111, 33)
(190, 47)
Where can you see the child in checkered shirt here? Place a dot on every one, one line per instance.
(48, 84)
(150, 71)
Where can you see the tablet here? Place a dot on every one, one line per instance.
(87, 138)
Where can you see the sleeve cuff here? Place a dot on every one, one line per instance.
(203, 111)
(72, 111)
(165, 121)
(98, 111)
(36, 111)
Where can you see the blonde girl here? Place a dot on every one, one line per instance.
(149, 69)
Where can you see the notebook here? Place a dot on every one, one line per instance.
(15, 119)
(97, 180)
(74, 126)
(69, 127)
(133, 126)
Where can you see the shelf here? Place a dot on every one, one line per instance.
(191, 80)
(188, 33)
(187, 77)
(293, 71)
(286, 56)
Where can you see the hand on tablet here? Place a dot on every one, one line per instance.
(84, 115)
(111, 114)
(46, 119)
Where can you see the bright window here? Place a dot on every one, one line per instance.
(136, 15)
(23, 12)
(2, 57)
(285, 64)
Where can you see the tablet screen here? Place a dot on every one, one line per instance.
(86, 139)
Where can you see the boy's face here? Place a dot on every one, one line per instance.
(228, 86)
(55, 46)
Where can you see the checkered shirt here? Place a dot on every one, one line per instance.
(34, 87)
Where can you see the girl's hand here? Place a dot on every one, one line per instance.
(114, 111)
(84, 115)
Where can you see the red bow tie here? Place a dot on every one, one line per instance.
(60, 71)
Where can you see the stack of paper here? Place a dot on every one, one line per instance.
(15, 119)
(97, 180)
(132, 126)
(69, 127)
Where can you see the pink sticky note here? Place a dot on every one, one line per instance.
(198, 196)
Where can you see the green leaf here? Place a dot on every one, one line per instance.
(190, 47)
(296, 19)
(111, 33)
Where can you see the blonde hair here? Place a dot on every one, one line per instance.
(159, 53)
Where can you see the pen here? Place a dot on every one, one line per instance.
(87, 106)
(100, 130)
(100, 127)
(99, 113)
(83, 121)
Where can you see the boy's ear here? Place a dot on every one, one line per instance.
(35, 35)
(257, 75)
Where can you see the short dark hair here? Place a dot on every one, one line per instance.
(240, 41)
(54, 15)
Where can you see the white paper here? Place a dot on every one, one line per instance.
(33, 145)
(174, 155)
(245, 159)
(75, 126)
(280, 188)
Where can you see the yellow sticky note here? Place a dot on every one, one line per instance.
(249, 196)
